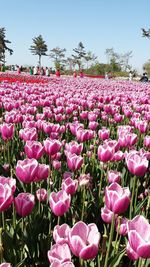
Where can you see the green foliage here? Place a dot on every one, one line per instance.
(58, 55)
(146, 67)
(3, 45)
(80, 54)
(39, 47)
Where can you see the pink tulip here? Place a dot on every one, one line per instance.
(6, 197)
(7, 131)
(106, 214)
(61, 233)
(122, 228)
(70, 185)
(52, 146)
(117, 199)
(41, 194)
(84, 240)
(74, 162)
(114, 176)
(56, 164)
(28, 134)
(10, 181)
(118, 117)
(24, 204)
(64, 264)
(142, 126)
(59, 202)
(147, 141)
(43, 172)
(75, 126)
(85, 179)
(119, 155)
(92, 116)
(84, 115)
(74, 148)
(93, 125)
(136, 164)
(27, 170)
(66, 175)
(139, 238)
(59, 253)
(34, 149)
(84, 135)
(105, 153)
(104, 133)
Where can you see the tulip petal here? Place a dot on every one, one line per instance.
(131, 253)
(89, 252)
(144, 251)
(135, 240)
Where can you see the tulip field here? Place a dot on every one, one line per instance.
(74, 172)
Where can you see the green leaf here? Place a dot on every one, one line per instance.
(139, 206)
(117, 259)
(21, 263)
(147, 263)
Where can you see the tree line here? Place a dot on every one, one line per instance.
(80, 58)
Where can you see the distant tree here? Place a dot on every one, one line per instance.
(58, 55)
(79, 54)
(146, 67)
(39, 47)
(71, 63)
(118, 62)
(124, 61)
(113, 59)
(3, 45)
(90, 57)
(145, 33)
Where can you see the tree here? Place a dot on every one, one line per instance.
(39, 47)
(71, 63)
(79, 54)
(3, 45)
(90, 57)
(113, 59)
(146, 67)
(124, 60)
(58, 55)
(145, 33)
(118, 62)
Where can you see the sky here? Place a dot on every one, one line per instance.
(98, 24)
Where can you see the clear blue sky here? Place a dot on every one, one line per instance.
(99, 24)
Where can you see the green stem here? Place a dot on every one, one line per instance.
(3, 220)
(8, 151)
(58, 220)
(22, 228)
(140, 262)
(14, 216)
(1, 246)
(83, 203)
(148, 206)
(132, 197)
(110, 240)
(118, 228)
(100, 184)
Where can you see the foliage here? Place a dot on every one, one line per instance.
(146, 67)
(80, 54)
(39, 47)
(118, 62)
(58, 55)
(3, 45)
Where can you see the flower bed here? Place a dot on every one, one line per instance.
(74, 172)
